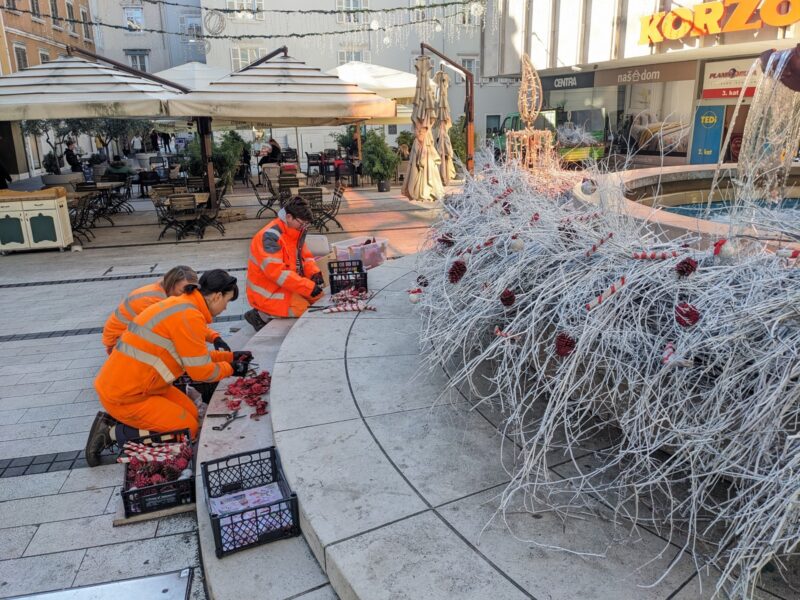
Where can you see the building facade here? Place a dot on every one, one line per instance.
(459, 39)
(33, 32)
(651, 77)
(144, 50)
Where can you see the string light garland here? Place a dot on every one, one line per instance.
(476, 7)
(436, 22)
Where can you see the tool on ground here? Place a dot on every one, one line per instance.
(229, 418)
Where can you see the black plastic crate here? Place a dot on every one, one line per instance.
(161, 495)
(251, 526)
(346, 274)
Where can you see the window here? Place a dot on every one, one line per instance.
(71, 26)
(418, 14)
(138, 59)
(87, 28)
(345, 5)
(471, 64)
(11, 4)
(191, 28)
(133, 17)
(36, 12)
(468, 18)
(21, 55)
(492, 124)
(241, 57)
(54, 14)
(44, 56)
(247, 10)
(345, 56)
(392, 129)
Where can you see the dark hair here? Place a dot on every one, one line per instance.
(117, 158)
(299, 209)
(176, 274)
(70, 143)
(217, 280)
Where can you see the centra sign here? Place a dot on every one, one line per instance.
(711, 18)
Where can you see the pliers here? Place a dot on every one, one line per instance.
(229, 418)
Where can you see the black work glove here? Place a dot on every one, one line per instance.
(219, 344)
(316, 291)
(244, 356)
(240, 368)
(317, 278)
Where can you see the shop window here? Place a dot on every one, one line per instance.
(392, 129)
(345, 5)
(492, 124)
(246, 10)
(241, 57)
(71, 25)
(138, 59)
(54, 14)
(21, 56)
(44, 56)
(87, 28)
(133, 17)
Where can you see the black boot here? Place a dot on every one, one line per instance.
(99, 438)
(252, 317)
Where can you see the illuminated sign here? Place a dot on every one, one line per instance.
(707, 138)
(711, 18)
(708, 119)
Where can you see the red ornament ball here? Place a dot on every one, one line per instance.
(508, 297)
(457, 270)
(564, 344)
(686, 267)
(686, 315)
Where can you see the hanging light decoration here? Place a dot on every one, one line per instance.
(476, 9)
(375, 25)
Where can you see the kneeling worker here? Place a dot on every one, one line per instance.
(172, 284)
(164, 341)
(283, 279)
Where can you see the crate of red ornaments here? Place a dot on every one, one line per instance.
(249, 501)
(159, 472)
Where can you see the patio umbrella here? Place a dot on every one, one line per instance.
(193, 75)
(423, 181)
(71, 87)
(283, 91)
(442, 127)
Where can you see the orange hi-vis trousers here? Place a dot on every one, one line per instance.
(166, 409)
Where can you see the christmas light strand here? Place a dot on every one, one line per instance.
(320, 11)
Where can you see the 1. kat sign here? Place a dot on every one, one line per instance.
(724, 16)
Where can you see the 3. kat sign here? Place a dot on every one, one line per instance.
(710, 18)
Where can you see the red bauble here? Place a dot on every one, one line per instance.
(564, 344)
(686, 267)
(686, 315)
(508, 297)
(457, 270)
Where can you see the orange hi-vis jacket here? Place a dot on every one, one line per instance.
(280, 264)
(162, 343)
(135, 303)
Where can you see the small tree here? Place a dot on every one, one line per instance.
(405, 137)
(55, 133)
(346, 139)
(379, 160)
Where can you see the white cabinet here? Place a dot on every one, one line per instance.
(35, 223)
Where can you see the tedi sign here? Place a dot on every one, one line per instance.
(711, 18)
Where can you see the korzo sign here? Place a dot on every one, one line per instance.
(712, 18)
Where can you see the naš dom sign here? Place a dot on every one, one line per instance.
(711, 18)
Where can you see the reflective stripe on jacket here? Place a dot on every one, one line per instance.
(280, 264)
(166, 340)
(134, 303)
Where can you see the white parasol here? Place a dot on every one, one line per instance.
(444, 147)
(423, 181)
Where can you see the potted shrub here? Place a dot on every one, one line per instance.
(379, 161)
(99, 165)
(52, 164)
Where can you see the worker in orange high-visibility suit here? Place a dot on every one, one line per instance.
(172, 284)
(283, 279)
(164, 341)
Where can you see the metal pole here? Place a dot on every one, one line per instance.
(358, 140)
(206, 149)
(469, 102)
(282, 50)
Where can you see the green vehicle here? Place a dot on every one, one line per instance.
(552, 119)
